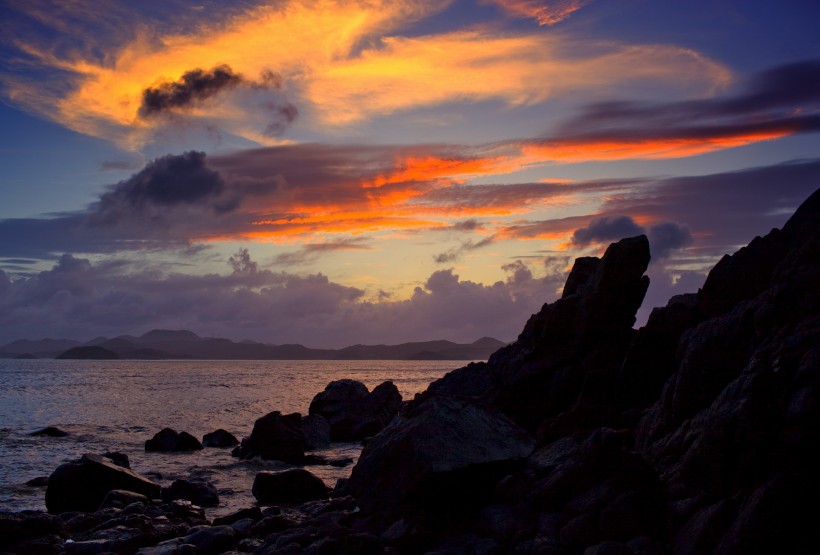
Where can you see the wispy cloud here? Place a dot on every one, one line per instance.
(545, 12)
(338, 62)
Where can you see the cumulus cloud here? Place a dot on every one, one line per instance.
(81, 299)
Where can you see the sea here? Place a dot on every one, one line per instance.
(118, 405)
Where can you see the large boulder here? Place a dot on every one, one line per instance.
(219, 438)
(83, 484)
(442, 452)
(274, 437)
(353, 412)
(295, 485)
(168, 440)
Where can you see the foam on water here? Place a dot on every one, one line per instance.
(117, 405)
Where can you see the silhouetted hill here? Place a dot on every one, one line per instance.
(88, 352)
(184, 344)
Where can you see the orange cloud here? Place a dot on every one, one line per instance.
(545, 13)
(402, 73)
(612, 148)
(316, 47)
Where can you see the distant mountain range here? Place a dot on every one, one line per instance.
(184, 344)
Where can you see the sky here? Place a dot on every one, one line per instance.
(381, 171)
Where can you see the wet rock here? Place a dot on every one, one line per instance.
(83, 484)
(354, 413)
(274, 437)
(22, 532)
(316, 432)
(50, 431)
(38, 482)
(289, 486)
(168, 440)
(252, 513)
(120, 498)
(197, 492)
(211, 540)
(120, 459)
(219, 438)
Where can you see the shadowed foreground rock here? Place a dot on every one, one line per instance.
(295, 485)
(83, 484)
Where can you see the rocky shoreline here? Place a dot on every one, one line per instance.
(695, 434)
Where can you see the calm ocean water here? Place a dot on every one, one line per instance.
(117, 405)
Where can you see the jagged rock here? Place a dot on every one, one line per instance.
(354, 413)
(294, 485)
(219, 438)
(316, 432)
(168, 440)
(83, 484)
(199, 493)
(444, 451)
(38, 482)
(274, 437)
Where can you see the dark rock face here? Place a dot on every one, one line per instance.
(275, 437)
(219, 438)
(295, 485)
(316, 432)
(83, 484)
(197, 492)
(437, 452)
(168, 440)
(120, 459)
(354, 413)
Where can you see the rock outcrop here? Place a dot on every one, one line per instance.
(353, 412)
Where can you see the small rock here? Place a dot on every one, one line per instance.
(50, 431)
(168, 440)
(219, 438)
(120, 498)
(296, 485)
(199, 493)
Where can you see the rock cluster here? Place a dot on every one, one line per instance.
(695, 434)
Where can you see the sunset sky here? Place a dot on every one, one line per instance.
(378, 171)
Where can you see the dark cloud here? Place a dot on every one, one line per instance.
(782, 100)
(164, 182)
(190, 90)
(665, 237)
(606, 229)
